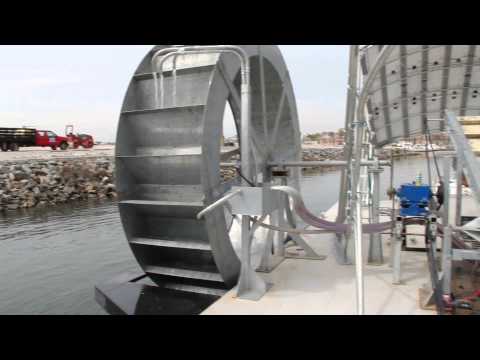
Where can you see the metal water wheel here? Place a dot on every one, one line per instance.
(168, 161)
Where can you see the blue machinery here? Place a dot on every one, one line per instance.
(414, 200)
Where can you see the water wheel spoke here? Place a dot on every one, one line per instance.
(263, 97)
(278, 117)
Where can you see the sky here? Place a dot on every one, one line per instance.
(49, 87)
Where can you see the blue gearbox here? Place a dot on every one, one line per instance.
(414, 199)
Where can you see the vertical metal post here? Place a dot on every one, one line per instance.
(250, 286)
(359, 260)
(397, 252)
(279, 240)
(447, 165)
(392, 177)
(392, 238)
(361, 123)
(458, 203)
(375, 251)
(349, 118)
(447, 231)
(447, 261)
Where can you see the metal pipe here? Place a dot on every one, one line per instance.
(161, 52)
(218, 203)
(360, 115)
(355, 174)
(359, 260)
(175, 54)
(349, 118)
(323, 163)
(458, 203)
(167, 54)
(396, 252)
(245, 87)
(447, 234)
(392, 177)
(214, 49)
(375, 255)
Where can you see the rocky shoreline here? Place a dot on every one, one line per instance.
(42, 183)
(38, 183)
(48, 182)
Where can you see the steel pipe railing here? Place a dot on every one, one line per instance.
(216, 49)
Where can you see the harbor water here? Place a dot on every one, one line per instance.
(51, 259)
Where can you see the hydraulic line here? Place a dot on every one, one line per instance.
(317, 222)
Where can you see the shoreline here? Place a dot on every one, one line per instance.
(46, 178)
(46, 183)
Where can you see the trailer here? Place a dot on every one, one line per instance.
(14, 138)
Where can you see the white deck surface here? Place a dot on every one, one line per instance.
(326, 288)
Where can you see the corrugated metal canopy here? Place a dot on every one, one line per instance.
(419, 82)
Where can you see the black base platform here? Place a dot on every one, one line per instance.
(133, 294)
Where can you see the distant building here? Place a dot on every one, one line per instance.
(326, 138)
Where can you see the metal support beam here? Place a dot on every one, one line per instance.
(359, 260)
(325, 163)
(375, 251)
(447, 231)
(462, 146)
(349, 119)
(459, 197)
(397, 252)
(392, 186)
(361, 125)
(447, 261)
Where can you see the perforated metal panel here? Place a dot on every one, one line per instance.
(419, 82)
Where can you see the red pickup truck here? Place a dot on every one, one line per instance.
(49, 138)
(14, 138)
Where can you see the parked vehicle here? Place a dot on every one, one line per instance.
(49, 138)
(77, 140)
(14, 138)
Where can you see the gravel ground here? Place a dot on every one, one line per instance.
(38, 153)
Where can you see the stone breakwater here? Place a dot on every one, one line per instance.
(307, 155)
(47, 182)
(322, 154)
(41, 183)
